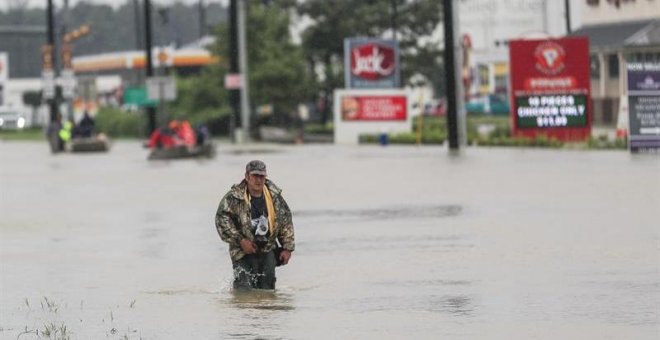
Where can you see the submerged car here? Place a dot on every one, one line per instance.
(11, 119)
(437, 107)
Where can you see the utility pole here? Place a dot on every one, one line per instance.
(568, 16)
(202, 19)
(234, 93)
(49, 56)
(66, 66)
(138, 25)
(243, 67)
(454, 94)
(151, 111)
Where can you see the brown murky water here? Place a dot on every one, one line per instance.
(396, 242)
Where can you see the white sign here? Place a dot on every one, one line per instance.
(233, 81)
(370, 111)
(48, 84)
(161, 88)
(4, 67)
(68, 82)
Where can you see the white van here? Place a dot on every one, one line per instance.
(12, 118)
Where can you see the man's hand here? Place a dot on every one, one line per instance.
(248, 246)
(285, 255)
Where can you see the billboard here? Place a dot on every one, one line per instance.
(550, 88)
(371, 63)
(644, 107)
(4, 74)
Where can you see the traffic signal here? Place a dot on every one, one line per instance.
(47, 57)
(77, 33)
(66, 56)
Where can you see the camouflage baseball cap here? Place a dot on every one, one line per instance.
(256, 167)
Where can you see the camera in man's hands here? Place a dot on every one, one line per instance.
(260, 229)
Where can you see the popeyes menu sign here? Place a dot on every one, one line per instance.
(374, 108)
(371, 63)
(550, 86)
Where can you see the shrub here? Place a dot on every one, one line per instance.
(117, 123)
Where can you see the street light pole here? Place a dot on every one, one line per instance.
(243, 67)
(568, 16)
(51, 42)
(455, 123)
(234, 93)
(151, 111)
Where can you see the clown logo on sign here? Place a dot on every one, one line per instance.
(550, 58)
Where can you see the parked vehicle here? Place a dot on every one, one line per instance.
(437, 107)
(489, 104)
(12, 119)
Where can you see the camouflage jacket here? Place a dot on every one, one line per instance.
(232, 220)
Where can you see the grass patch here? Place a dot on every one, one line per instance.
(25, 134)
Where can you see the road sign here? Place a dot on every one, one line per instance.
(4, 67)
(68, 82)
(48, 84)
(644, 107)
(233, 81)
(161, 88)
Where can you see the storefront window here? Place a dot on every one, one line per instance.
(613, 65)
(595, 67)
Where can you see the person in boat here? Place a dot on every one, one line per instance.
(85, 127)
(53, 134)
(185, 132)
(252, 218)
(166, 137)
(203, 134)
(65, 133)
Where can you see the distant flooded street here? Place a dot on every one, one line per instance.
(392, 243)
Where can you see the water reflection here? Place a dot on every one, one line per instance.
(262, 300)
(458, 305)
(256, 314)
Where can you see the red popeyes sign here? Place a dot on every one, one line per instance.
(373, 108)
(550, 88)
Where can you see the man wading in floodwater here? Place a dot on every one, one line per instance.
(252, 217)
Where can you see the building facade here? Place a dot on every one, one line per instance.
(620, 31)
(488, 25)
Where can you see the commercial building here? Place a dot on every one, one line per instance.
(619, 32)
(488, 25)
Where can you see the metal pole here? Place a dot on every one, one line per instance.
(450, 63)
(454, 93)
(234, 94)
(51, 41)
(245, 97)
(568, 16)
(65, 22)
(202, 19)
(138, 26)
(151, 111)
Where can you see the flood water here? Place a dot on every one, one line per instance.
(394, 243)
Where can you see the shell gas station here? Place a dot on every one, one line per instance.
(118, 77)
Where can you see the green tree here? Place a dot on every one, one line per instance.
(335, 20)
(277, 70)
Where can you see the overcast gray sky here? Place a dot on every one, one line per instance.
(4, 4)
